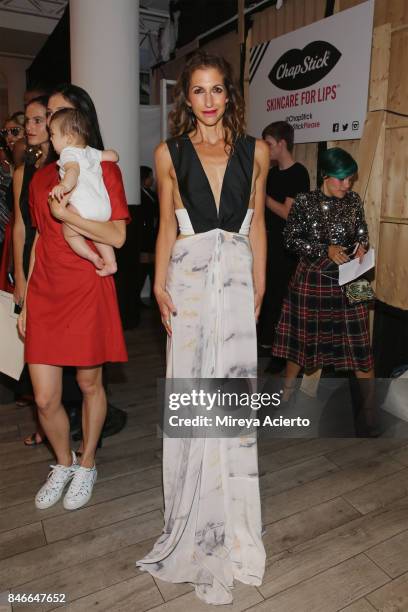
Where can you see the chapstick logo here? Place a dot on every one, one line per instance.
(298, 68)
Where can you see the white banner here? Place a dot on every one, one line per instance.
(316, 78)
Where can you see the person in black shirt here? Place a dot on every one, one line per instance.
(285, 180)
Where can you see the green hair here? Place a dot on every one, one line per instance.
(338, 163)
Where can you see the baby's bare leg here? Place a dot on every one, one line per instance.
(79, 245)
(109, 260)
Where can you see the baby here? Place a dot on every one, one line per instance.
(81, 176)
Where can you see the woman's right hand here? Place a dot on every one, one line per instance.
(166, 308)
(21, 322)
(19, 291)
(337, 254)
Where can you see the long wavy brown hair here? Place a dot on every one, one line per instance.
(182, 119)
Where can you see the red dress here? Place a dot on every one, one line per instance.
(72, 313)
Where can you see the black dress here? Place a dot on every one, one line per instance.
(5, 209)
(29, 171)
(23, 386)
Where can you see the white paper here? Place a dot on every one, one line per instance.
(353, 268)
(11, 346)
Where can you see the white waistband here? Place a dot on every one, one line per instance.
(186, 227)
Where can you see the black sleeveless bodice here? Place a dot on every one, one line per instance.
(29, 170)
(195, 189)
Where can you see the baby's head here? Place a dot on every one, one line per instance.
(68, 128)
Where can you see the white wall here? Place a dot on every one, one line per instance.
(105, 62)
(13, 69)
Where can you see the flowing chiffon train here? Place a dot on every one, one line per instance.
(212, 532)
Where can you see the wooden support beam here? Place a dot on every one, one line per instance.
(367, 149)
(241, 21)
(397, 220)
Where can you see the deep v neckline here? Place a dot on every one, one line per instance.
(200, 163)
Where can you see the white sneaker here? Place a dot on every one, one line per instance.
(54, 486)
(80, 489)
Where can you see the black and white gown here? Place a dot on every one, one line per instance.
(212, 531)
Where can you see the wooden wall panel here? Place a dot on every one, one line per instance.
(373, 194)
(299, 19)
(395, 189)
(392, 265)
(380, 65)
(314, 11)
(294, 14)
(264, 26)
(394, 12)
(398, 82)
(351, 146)
(288, 17)
(280, 20)
(385, 11)
(396, 121)
(373, 126)
(228, 47)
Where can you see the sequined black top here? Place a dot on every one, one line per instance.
(316, 221)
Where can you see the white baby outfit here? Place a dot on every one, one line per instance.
(89, 196)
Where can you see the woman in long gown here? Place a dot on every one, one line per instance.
(209, 286)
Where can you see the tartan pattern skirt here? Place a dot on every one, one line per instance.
(317, 326)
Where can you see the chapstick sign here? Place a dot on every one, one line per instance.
(316, 78)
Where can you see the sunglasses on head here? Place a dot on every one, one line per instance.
(14, 131)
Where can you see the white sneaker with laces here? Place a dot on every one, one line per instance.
(80, 489)
(54, 486)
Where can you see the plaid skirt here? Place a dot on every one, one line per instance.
(317, 326)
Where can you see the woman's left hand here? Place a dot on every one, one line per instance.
(361, 251)
(58, 208)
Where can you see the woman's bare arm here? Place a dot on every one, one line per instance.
(19, 236)
(107, 232)
(32, 260)
(282, 210)
(110, 155)
(167, 232)
(257, 233)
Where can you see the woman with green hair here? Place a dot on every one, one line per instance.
(326, 228)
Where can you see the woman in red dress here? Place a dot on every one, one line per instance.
(71, 317)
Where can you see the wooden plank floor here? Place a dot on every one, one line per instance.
(335, 510)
